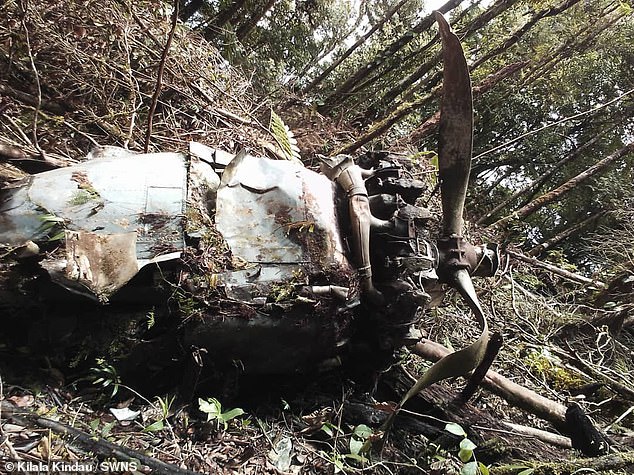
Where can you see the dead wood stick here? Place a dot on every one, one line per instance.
(515, 394)
(556, 270)
(222, 112)
(543, 435)
(91, 443)
(12, 152)
(29, 99)
(159, 78)
(620, 461)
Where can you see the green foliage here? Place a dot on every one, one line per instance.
(151, 319)
(102, 430)
(357, 447)
(466, 452)
(213, 408)
(53, 226)
(546, 366)
(284, 137)
(359, 436)
(105, 376)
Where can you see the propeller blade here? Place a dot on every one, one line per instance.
(455, 140)
(462, 361)
(463, 284)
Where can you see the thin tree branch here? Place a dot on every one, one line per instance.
(555, 270)
(159, 79)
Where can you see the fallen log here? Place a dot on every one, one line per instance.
(584, 437)
(604, 464)
(437, 405)
(515, 394)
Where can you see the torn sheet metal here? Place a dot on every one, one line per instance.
(280, 218)
(102, 263)
(120, 212)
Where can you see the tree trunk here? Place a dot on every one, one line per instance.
(243, 30)
(381, 57)
(517, 34)
(570, 47)
(570, 231)
(388, 68)
(557, 193)
(484, 86)
(539, 182)
(381, 127)
(223, 17)
(319, 79)
(555, 270)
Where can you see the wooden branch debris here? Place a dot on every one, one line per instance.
(616, 461)
(556, 270)
(543, 435)
(437, 405)
(159, 78)
(568, 420)
(222, 112)
(595, 170)
(515, 394)
(571, 231)
(91, 443)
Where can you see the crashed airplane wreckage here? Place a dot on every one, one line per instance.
(318, 265)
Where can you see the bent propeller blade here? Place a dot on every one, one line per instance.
(455, 140)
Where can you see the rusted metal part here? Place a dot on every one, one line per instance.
(349, 176)
(119, 199)
(279, 218)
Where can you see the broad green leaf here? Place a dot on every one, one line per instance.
(470, 468)
(465, 455)
(155, 426)
(484, 470)
(231, 414)
(211, 407)
(466, 444)
(455, 429)
(362, 431)
(355, 445)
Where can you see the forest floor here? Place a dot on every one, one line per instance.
(58, 408)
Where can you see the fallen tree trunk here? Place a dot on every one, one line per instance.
(584, 436)
(621, 461)
(568, 420)
(517, 395)
(437, 405)
(555, 270)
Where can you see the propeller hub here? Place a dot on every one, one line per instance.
(455, 253)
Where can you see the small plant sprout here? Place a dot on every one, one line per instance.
(466, 453)
(360, 435)
(105, 375)
(213, 408)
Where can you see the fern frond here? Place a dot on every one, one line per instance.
(284, 137)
